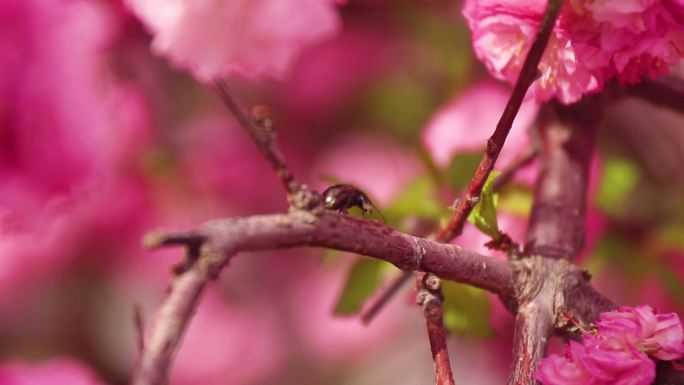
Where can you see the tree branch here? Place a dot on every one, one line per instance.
(533, 328)
(555, 234)
(221, 239)
(557, 221)
(260, 128)
(430, 297)
(528, 74)
(521, 160)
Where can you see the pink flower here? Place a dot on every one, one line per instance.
(502, 35)
(617, 353)
(465, 123)
(557, 370)
(633, 38)
(659, 335)
(613, 366)
(592, 42)
(69, 129)
(250, 37)
(60, 371)
(226, 342)
(593, 363)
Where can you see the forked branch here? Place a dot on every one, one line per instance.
(221, 239)
(528, 74)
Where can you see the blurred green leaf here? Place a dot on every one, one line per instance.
(516, 199)
(620, 176)
(672, 283)
(400, 103)
(418, 199)
(363, 279)
(466, 310)
(483, 215)
(461, 169)
(671, 236)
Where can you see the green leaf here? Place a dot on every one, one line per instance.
(466, 310)
(673, 285)
(484, 213)
(400, 102)
(418, 199)
(363, 279)
(620, 176)
(671, 236)
(515, 199)
(461, 169)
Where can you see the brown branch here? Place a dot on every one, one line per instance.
(548, 284)
(385, 296)
(139, 325)
(534, 322)
(260, 128)
(555, 234)
(528, 74)
(429, 296)
(170, 323)
(523, 159)
(557, 221)
(666, 91)
(223, 238)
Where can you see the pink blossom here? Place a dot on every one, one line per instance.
(593, 363)
(614, 366)
(69, 130)
(502, 35)
(617, 353)
(334, 74)
(333, 338)
(58, 371)
(250, 37)
(465, 123)
(591, 42)
(227, 343)
(557, 370)
(659, 335)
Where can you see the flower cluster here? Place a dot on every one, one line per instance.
(618, 351)
(592, 42)
(250, 37)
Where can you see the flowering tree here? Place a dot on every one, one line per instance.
(89, 180)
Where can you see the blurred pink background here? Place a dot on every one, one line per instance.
(103, 139)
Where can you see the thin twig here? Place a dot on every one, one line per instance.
(139, 325)
(528, 74)
(385, 296)
(430, 298)
(521, 160)
(260, 128)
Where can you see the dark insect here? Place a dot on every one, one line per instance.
(342, 197)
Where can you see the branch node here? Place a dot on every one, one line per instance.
(432, 282)
(307, 200)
